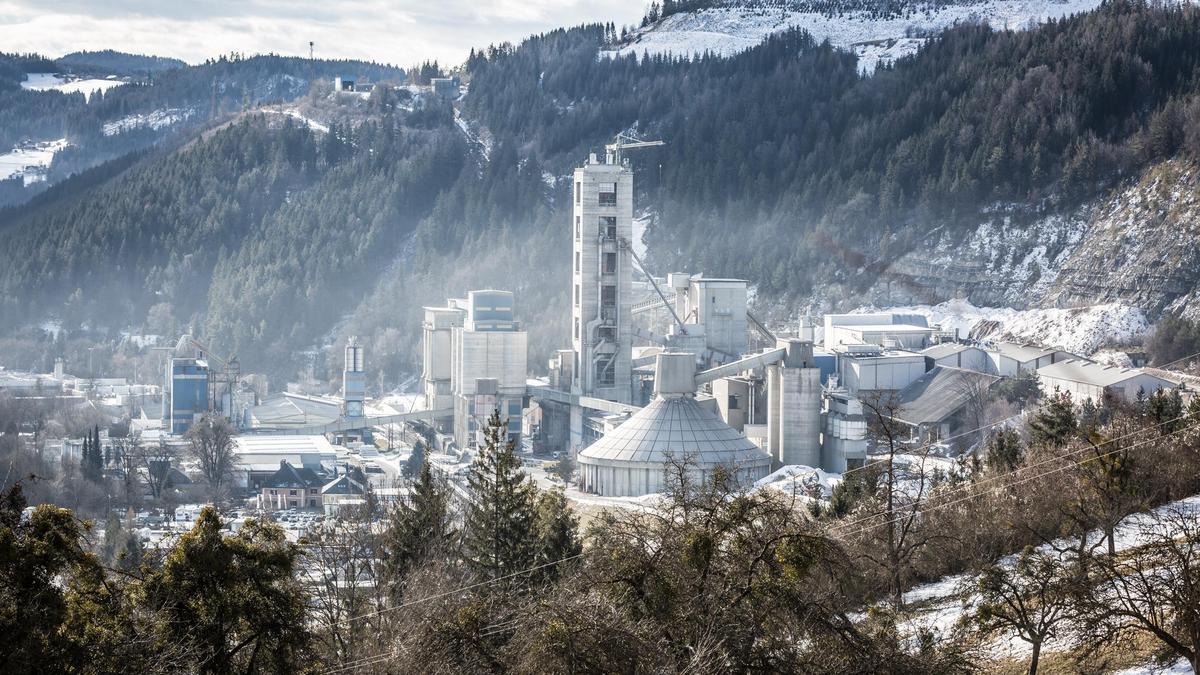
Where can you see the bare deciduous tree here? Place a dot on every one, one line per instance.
(1153, 588)
(211, 443)
(1033, 597)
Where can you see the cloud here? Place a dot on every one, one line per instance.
(401, 32)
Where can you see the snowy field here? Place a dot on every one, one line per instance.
(158, 119)
(728, 31)
(946, 602)
(52, 82)
(1081, 331)
(30, 160)
(294, 113)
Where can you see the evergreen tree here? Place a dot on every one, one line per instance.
(416, 461)
(418, 528)
(1055, 423)
(1004, 451)
(557, 530)
(498, 528)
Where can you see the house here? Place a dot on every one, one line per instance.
(1009, 358)
(944, 402)
(1084, 379)
(957, 355)
(291, 488)
(348, 489)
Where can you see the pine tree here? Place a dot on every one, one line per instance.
(557, 530)
(418, 528)
(498, 531)
(1004, 450)
(416, 461)
(1055, 423)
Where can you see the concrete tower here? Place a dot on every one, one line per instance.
(794, 401)
(354, 380)
(602, 279)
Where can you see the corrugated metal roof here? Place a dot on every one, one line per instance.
(945, 349)
(938, 394)
(1090, 372)
(1023, 353)
(678, 427)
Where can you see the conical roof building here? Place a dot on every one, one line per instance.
(632, 459)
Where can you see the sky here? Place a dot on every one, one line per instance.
(399, 32)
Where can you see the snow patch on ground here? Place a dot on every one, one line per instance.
(945, 604)
(319, 127)
(727, 31)
(802, 482)
(158, 119)
(52, 82)
(1082, 330)
(30, 160)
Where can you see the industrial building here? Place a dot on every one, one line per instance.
(957, 355)
(602, 288)
(1085, 380)
(903, 331)
(1009, 358)
(488, 365)
(257, 458)
(633, 458)
(944, 402)
(438, 333)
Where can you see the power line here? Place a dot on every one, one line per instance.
(468, 587)
(1029, 478)
(1048, 460)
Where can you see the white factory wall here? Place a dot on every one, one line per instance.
(497, 355)
(881, 373)
(1126, 389)
(971, 358)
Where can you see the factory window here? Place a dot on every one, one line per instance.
(605, 376)
(576, 328)
(608, 194)
(610, 263)
(608, 295)
(578, 192)
(291, 493)
(608, 226)
(577, 261)
(577, 227)
(733, 402)
(577, 292)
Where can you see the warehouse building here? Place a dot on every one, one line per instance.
(1084, 380)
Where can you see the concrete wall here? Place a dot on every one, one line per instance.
(876, 373)
(592, 333)
(720, 306)
(794, 417)
(971, 358)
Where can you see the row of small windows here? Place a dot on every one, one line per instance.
(606, 196)
(608, 227)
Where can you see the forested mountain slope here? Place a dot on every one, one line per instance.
(782, 165)
(155, 98)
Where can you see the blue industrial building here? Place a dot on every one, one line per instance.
(189, 392)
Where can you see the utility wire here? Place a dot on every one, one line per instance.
(1048, 460)
(1064, 467)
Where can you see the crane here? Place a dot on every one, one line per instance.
(624, 142)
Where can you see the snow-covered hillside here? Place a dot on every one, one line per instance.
(52, 82)
(874, 39)
(1082, 330)
(30, 160)
(158, 119)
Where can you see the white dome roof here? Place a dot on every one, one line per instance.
(678, 427)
